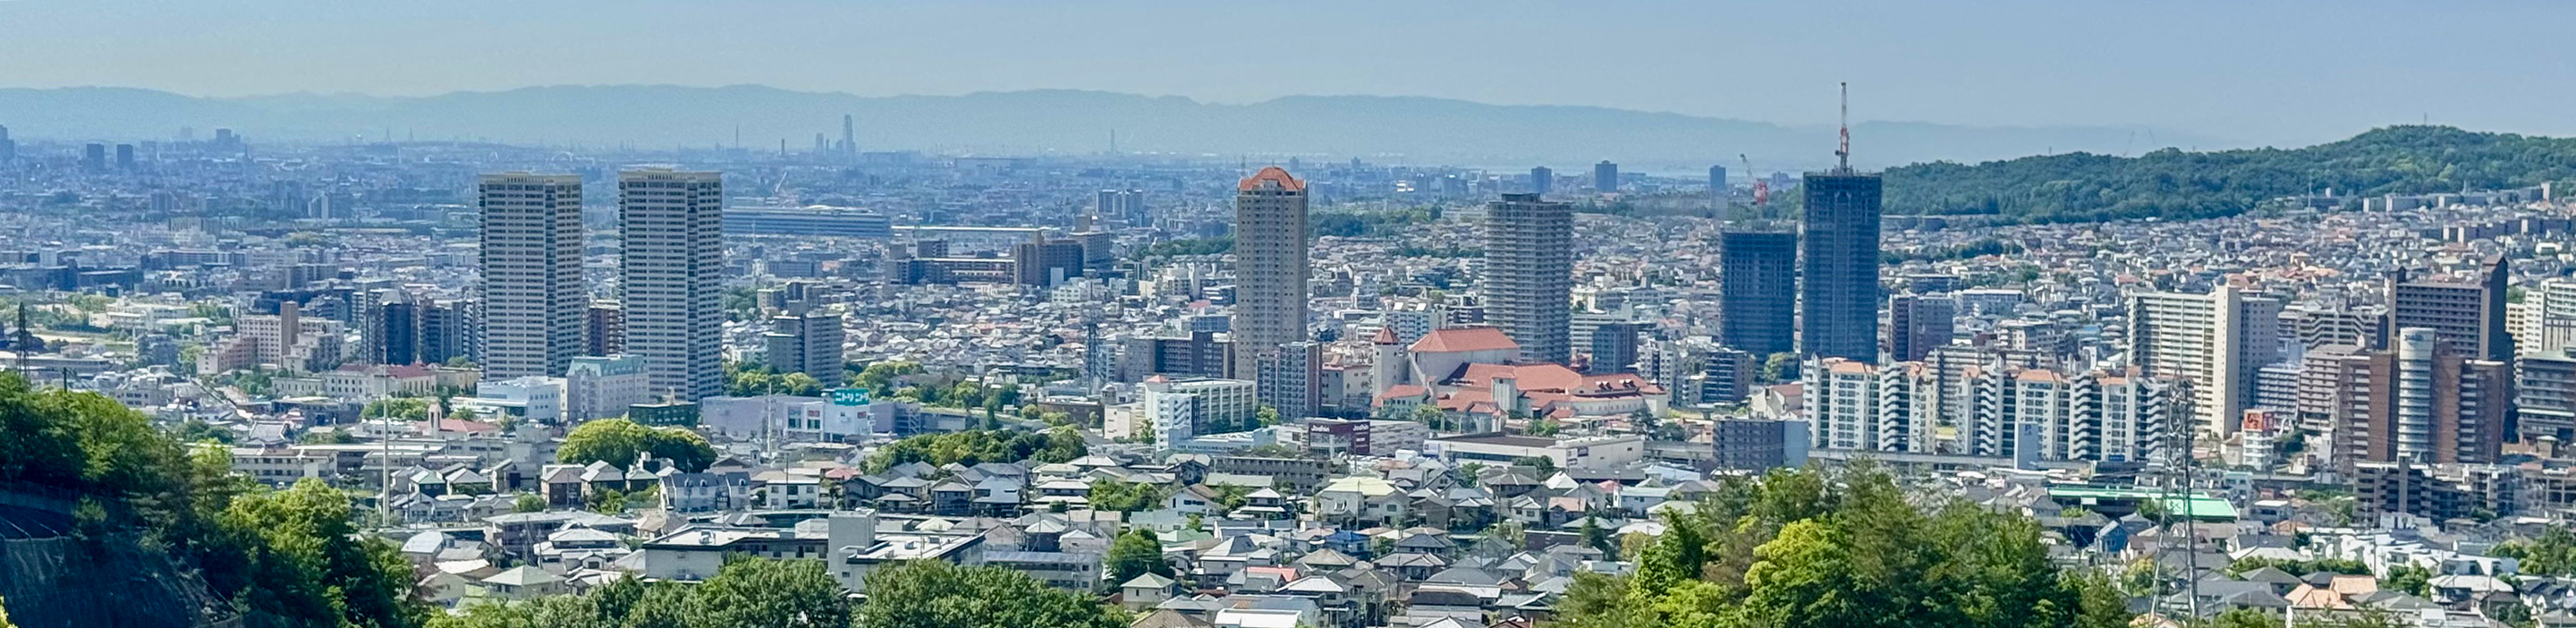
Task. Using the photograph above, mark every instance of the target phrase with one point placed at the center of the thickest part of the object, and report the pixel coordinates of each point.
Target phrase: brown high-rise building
(2467, 313)
(1529, 274)
(607, 326)
(1270, 265)
(2422, 401)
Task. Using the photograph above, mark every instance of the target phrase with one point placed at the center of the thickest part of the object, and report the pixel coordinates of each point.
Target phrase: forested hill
(2174, 184)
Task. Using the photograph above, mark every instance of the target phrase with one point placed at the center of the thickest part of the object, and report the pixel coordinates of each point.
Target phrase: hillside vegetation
(276, 558)
(2173, 184)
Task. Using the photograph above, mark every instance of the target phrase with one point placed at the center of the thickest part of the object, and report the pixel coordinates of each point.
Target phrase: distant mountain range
(1377, 128)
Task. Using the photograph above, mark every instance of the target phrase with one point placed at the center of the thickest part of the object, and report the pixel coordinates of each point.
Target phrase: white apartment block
(1997, 412)
(673, 270)
(2216, 342)
(599, 387)
(534, 301)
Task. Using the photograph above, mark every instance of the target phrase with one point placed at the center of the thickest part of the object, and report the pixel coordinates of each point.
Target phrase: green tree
(1136, 553)
(199, 431)
(934, 594)
(528, 502)
(405, 408)
(879, 377)
(1432, 416)
(2553, 554)
(317, 569)
(617, 441)
(1119, 496)
(753, 591)
(2411, 579)
(973, 447)
(1779, 367)
(800, 384)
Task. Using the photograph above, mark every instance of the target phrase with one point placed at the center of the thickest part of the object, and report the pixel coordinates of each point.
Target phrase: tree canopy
(1820, 549)
(287, 557)
(974, 447)
(746, 591)
(2174, 184)
(1136, 552)
(932, 594)
(617, 441)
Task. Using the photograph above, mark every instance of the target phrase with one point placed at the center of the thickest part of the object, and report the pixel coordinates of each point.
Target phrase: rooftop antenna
(1842, 155)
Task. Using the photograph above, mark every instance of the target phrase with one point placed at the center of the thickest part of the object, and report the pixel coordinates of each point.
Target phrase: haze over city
(1154, 314)
(2242, 74)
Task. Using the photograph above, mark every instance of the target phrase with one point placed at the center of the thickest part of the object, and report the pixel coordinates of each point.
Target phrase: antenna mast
(1842, 154)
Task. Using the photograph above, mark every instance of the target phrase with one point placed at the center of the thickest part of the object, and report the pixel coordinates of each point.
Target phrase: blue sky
(2264, 71)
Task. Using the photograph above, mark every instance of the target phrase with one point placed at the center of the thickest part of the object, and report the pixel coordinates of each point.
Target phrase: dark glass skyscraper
(1758, 291)
(1841, 266)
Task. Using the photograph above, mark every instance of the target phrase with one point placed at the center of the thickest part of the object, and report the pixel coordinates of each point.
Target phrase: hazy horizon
(2283, 73)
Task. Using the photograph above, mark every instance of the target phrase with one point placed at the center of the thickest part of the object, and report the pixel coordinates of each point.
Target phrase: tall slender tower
(674, 277)
(1841, 238)
(849, 138)
(1270, 266)
(1529, 274)
(533, 295)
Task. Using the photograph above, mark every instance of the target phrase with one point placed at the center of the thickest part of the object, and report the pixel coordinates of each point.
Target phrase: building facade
(1529, 274)
(673, 270)
(533, 294)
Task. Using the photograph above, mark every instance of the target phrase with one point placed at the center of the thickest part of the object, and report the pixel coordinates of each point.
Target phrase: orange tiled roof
(1272, 174)
(1464, 339)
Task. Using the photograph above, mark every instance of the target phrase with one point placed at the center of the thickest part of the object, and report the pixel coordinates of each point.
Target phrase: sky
(2251, 71)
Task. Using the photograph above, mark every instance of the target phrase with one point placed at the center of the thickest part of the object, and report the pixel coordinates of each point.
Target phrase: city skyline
(1983, 64)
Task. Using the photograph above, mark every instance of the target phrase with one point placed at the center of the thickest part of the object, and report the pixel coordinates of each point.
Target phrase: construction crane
(1842, 152)
(1761, 189)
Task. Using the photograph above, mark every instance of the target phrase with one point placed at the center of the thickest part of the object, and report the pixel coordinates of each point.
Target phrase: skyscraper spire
(1842, 154)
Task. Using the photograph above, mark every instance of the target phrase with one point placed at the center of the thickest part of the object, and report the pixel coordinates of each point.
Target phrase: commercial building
(808, 343)
(606, 323)
(2544, 392)
(1614, 348)
(673, 270)
(1528, 279)
(1200, 354)
(1759, 444)
(1916, 323)
(1840, 266)
(2422, 402)
(809, 221)
(1046, 262)
(1605, 177)
(1591, 452)
(534, 298)
(2468, 315)
(1290, 379)
(1542, 180)
(1214, 405)
(1758, 291)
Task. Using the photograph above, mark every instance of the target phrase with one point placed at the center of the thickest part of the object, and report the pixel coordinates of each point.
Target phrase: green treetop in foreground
(618, 441)
(1841, 549)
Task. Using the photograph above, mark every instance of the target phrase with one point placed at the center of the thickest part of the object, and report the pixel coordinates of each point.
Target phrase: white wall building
(534, 300)
(673, 266)
(597, 387)
(2216, 341)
